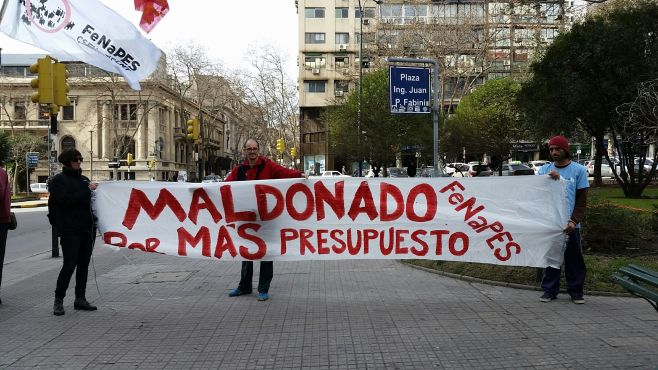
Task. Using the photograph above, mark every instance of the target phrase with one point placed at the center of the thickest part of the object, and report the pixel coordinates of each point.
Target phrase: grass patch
(615, 195)
(599, 270)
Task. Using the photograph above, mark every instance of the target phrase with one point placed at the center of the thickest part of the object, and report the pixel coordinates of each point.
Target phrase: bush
(611, 229)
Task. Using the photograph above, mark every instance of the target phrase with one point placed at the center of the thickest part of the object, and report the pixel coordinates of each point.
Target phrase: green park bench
(639, 281)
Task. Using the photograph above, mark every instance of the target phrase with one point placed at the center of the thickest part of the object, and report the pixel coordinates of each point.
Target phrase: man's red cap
(560, 141)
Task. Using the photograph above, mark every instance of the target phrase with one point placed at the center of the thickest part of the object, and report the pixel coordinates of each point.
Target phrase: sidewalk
(174, 313)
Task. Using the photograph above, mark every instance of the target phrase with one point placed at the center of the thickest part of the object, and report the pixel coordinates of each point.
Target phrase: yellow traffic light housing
(60, 84)
(293, 152)
(43, 68)
(129, 159)
(280, 145)
(193, 129)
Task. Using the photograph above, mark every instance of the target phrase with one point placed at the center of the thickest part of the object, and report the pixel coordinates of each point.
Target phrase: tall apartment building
(107, 120)
(471, 40)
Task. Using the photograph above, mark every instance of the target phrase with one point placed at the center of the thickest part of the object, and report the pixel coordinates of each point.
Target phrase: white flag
(82, 30)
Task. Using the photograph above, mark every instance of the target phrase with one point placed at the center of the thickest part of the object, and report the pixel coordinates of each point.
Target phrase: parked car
(333, 174)
(535, 165)
(39, 187)
(396, 172)
(431, 172)
(606, 171)
(456, 166)
(516, 169)
(473, 170)
(211, 178)
(646, 167)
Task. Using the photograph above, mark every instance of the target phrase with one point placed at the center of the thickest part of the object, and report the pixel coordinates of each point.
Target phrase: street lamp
(358, 116)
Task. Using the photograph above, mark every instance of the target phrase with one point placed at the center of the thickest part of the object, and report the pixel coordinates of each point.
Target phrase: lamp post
(358, 114)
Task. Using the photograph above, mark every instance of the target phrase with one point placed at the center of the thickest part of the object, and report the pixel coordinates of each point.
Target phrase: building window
(367, 13)
(314, 37)
(314, 61)
(314, 137)
(342, 12)
(44, 112)
(315, 86)
(314, 12)
(341, 86)
(342, 38)
(68, 111)
(124, 145)
(126, 114)
(342, 61)
(68, 142)
(19, 111)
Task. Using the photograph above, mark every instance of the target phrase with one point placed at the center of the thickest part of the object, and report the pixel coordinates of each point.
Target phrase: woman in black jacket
(70, 213)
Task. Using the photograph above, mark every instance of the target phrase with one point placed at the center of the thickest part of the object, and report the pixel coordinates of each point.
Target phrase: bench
(639, 281)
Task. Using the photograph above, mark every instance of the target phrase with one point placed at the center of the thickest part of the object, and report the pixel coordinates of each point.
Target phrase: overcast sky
(224, 28)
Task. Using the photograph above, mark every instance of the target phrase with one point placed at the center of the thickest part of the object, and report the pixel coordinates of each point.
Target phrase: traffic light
(193, 129)
(60, 84)
(280, 145)
(293, 152)
(129, 159)
(43, 68)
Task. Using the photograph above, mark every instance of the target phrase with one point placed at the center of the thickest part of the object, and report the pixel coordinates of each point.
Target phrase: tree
(634, 131)
(383, 135)
(21, 144)
(269, 97)
(588, 72)
(487, 121)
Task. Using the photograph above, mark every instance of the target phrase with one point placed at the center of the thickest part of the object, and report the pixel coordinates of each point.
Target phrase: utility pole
(91, 154)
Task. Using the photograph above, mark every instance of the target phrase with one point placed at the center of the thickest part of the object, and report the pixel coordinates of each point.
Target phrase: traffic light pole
(53, 163)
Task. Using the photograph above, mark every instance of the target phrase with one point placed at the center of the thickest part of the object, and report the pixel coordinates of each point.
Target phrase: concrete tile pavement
(363, 314)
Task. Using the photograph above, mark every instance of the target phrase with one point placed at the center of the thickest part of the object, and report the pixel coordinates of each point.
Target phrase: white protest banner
(514, 221)
(82, 30)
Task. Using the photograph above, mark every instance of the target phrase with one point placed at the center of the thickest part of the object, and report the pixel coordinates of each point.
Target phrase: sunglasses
(77, 159)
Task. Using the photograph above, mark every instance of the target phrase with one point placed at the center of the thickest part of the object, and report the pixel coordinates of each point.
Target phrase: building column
(107, 152)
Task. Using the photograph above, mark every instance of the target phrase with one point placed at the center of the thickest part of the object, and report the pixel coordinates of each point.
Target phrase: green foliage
(383, 135)
(589, 71)
(486, 121)
(5, 147)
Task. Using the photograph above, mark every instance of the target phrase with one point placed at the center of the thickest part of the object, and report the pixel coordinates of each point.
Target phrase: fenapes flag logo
(82, 30)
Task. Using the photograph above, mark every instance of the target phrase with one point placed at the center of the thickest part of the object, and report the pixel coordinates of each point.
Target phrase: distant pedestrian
(5, 206)
(575, 177)
(257, 167)
(69, 207)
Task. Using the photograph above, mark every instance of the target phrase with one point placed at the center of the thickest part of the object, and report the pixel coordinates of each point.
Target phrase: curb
(506, 284)
(34, 205)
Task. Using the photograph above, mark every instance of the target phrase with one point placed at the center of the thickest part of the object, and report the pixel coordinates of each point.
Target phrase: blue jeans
(574, 270)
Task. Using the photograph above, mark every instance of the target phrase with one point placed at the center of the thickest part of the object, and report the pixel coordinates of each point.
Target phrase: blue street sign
(410, 90)
(32, 159)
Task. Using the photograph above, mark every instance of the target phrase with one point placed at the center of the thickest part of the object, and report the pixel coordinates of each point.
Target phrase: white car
(333, 174)
(39, 187)
(456, 166)
(211, 178)
(535, 165)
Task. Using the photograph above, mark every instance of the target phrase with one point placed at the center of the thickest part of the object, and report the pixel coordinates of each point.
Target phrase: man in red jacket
(257, 167)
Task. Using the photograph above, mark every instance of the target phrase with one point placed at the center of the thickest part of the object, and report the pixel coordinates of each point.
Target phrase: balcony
(25, 124)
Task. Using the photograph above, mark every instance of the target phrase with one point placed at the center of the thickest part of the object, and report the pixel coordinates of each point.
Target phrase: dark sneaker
(578, 299)
(237, 292)
(547, 297)
(263, 296)
(82, 304)
(58, 307)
